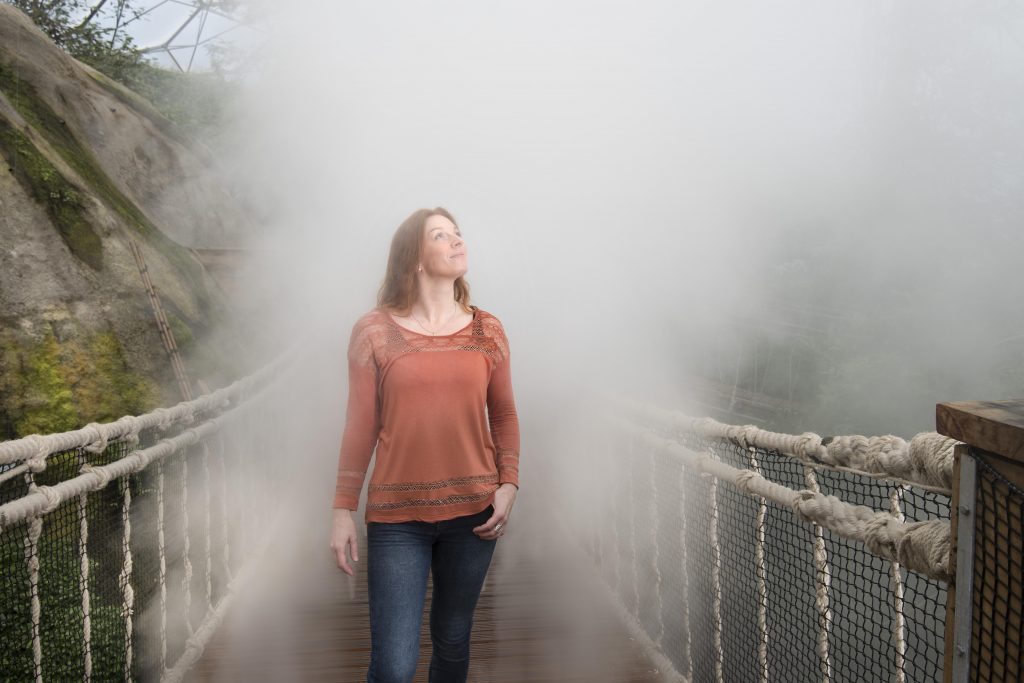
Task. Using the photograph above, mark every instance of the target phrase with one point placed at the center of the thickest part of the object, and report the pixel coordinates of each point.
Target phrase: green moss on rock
(183, 337)
(106, 388)
(50, 386)
(47, 402)
(47, 185)
(43, 119)
(38, 114)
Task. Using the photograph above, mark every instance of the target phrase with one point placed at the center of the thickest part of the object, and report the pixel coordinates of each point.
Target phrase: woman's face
(443, 253)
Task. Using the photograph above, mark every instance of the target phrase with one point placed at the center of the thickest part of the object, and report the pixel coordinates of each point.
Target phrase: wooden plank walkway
(541, 617)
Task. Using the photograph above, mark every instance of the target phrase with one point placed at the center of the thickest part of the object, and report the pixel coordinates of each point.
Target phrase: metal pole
(964, 569)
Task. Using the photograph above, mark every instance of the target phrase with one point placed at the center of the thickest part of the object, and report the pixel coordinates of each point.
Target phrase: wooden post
(993, 434)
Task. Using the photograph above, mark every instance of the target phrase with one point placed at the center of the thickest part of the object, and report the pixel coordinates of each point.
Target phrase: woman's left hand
(497, 525)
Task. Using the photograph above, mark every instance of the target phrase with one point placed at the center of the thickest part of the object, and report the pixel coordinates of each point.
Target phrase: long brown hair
(400, 287)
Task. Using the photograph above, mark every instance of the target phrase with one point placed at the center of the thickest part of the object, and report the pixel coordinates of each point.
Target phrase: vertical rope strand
(616, 544)
(762, 576)
(83, 556)
(716, 585)
(225, 536)
(207, 523)
(241, 489)
(685, 574)
(634, 554)
(655, 555)
(186, 548)
(124, 580)
(163, 563)
(822, 585)
(899, 625)
(35, 531)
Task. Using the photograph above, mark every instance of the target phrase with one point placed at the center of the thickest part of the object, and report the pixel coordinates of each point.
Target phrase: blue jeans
(399, 557)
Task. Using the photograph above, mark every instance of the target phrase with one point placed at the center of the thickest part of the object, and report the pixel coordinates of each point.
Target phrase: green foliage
(197, 102)
(62, 21)
(61, 615)
(47, 400)
(56, 386)
(15, 611)
(103, 385)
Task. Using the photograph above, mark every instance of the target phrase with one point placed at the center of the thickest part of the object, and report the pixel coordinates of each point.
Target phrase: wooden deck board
(539, 619)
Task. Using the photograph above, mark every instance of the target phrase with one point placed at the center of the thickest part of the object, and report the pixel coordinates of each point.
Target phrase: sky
(176, 24)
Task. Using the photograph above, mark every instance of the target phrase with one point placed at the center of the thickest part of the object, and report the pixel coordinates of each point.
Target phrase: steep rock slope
(85, 167)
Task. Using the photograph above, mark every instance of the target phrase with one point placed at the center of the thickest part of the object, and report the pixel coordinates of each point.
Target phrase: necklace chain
(432, 332)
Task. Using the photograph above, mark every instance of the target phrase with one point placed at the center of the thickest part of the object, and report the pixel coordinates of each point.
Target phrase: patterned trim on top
(434, 485)
(424, 502)
(377, 339)
(352, 473)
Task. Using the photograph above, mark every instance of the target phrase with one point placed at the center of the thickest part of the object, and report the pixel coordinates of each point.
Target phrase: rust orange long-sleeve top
(440, 413)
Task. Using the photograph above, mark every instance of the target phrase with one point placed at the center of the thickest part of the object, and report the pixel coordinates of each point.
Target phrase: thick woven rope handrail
(45, 499)
(95, 437)
(927, 459)
(920, 546)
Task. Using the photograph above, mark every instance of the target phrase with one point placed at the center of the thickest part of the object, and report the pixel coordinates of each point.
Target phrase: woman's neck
(436, 302)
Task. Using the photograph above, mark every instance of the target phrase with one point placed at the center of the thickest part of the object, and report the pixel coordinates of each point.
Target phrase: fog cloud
(814, 207)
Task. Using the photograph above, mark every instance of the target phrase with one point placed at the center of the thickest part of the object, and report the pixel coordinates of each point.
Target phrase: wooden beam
(993, 426)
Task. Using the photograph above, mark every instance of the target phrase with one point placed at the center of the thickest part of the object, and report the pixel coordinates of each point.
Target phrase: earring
(419, 269)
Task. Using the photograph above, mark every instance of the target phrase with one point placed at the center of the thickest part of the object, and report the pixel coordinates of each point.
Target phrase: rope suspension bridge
(700, 552)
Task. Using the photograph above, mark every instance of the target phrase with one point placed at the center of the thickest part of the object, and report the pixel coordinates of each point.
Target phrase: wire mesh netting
(997, 612)
(732, 588)
(88, 591)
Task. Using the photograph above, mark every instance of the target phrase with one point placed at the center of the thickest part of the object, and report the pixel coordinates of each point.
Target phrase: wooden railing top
(994, 426)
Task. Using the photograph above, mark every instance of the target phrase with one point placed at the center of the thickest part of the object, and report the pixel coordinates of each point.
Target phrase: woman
(430, 388)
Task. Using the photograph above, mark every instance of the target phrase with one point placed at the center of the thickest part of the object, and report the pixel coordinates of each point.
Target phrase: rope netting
(744, 555)
(997, 612)
(121, 543)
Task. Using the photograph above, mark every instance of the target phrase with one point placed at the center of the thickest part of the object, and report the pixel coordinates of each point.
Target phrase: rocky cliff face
(86, 166)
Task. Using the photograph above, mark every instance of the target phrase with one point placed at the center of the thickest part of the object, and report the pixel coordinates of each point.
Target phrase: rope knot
(747, 436)
(101, 473)
(806, 504)
(878, 536)
(53, 499)
(701, 425)
(810, 447)
(193, 435)
(37, 463)
(164, 419)
(932, 455)
(134, 426)
(745, 479)
(99, 441)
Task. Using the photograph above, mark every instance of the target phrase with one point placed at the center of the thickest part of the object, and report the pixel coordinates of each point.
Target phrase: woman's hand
(343, 536)
(495, 527)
